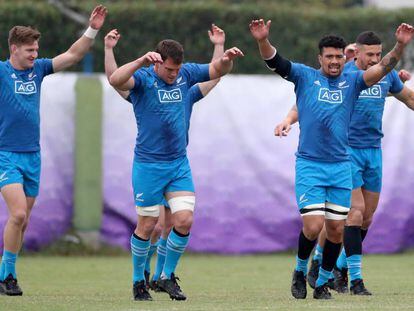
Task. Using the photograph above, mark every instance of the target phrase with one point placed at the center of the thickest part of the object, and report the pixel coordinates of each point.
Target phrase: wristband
(91, 33)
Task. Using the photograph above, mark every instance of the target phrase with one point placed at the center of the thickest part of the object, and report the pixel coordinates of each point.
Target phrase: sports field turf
(211, 283)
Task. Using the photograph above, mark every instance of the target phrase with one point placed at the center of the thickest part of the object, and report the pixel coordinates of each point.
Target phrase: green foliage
(296, 29)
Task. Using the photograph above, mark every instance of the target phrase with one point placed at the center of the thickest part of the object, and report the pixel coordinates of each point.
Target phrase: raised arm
(404, 34)
(283, 128)
(217, 37)
(110, 41)
(122, 77)
(274, 61)
(406, 96)
(78, 49)
(224, 64)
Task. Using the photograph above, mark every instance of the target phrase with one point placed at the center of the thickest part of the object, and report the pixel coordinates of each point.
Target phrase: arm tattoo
(391, 59)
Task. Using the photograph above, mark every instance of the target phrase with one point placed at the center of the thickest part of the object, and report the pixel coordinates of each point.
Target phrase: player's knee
(355, 217)
(335, 232)
(18, 218)
(312, 230)
(159, 227)
(183, 222)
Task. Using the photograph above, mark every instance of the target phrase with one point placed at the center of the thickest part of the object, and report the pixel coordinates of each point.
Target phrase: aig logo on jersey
(26, 88)
(332, 97)
(373, 92)
(172, 96)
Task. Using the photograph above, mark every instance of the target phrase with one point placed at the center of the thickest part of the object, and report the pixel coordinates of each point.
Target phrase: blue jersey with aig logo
(20, 103)
(365, 130)
(160, 112)
(324, 105)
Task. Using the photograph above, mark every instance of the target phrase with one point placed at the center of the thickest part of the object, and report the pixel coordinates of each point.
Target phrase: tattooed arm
(404, 34)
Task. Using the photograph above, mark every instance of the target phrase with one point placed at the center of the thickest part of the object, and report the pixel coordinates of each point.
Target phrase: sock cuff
(136, 237)
(180, 234)
(9, 255)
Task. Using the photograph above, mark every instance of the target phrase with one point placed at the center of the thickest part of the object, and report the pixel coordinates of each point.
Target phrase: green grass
(211, 283)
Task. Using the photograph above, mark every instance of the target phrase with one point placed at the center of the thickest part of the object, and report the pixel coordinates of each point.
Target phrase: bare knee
(355, 216)
(312, 230)
(18, 218)
(146, 226)
(335, 231)
(159, 227)
(183, 222)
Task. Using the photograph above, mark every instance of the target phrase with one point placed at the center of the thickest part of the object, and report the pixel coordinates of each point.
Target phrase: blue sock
(341, 261)
(176, 245)
(354, 266)
(161, 252)
(302, 265)
(9, 260)
(318, 253)
(323, 277)
(139, 250)
(151, 252)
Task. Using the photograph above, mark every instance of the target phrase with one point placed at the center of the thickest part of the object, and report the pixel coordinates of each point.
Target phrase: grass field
(211, 283)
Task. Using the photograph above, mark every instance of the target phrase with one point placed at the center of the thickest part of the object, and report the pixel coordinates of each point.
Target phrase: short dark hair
(332, 41)
(368, 38)
(170, 49)
(23, 35)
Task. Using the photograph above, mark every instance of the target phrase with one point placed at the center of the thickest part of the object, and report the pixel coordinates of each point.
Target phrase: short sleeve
(196, 73)
(396, 83)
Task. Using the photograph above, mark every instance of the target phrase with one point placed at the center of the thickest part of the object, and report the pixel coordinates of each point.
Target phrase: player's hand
(282, 129)
(404, 75)
(350, 51)
(404, 33)
(97, 17)
(217, 35)
(111, 39)
(150, 58)
(260, 30)
(231, 54)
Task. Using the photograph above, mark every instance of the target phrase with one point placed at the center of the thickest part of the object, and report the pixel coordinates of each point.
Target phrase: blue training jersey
(365, 130)
(20, 104)
(160, 112)
(324, 106)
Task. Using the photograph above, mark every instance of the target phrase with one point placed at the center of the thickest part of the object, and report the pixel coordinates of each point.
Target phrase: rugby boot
(298, 288)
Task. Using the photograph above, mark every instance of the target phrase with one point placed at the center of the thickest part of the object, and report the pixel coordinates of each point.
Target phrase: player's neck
(15, 64)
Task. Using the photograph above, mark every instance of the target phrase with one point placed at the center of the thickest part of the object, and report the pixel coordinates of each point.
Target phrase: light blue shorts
(323, 188)
(21, 168)
(367, 168)
(152, 180)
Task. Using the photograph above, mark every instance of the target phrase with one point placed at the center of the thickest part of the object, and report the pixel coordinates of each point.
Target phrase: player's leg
(369, 195)
(311, 199)
(155, 238)
(30, 165)
(181, 199)
(13, 168)
(317, 259)
(148, 182)
(357, 206)
(15, 199)
(336, 211)
(162, 248)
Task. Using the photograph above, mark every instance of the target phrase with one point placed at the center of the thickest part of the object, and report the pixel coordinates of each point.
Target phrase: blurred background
(244, 176)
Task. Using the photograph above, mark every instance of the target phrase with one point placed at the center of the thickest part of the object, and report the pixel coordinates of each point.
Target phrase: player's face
(25, 54)
(368, 55)
(168, 70)
(332, 61)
